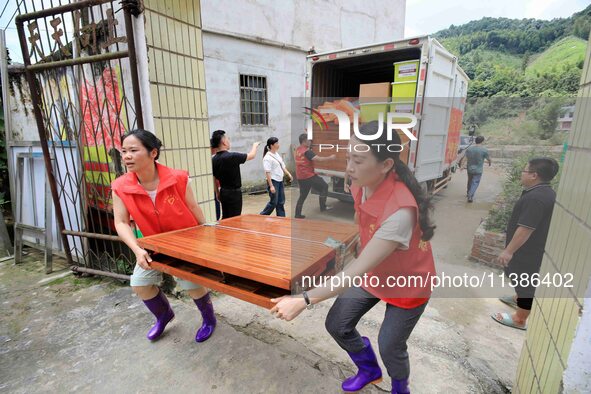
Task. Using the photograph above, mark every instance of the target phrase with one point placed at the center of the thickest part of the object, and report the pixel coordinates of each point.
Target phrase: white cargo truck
(439, 100)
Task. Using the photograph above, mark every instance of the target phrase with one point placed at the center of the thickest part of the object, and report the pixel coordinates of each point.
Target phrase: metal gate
(81, 68)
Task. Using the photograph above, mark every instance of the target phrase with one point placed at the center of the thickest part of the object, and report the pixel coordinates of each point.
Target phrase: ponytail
(421, 197)
(270, 142)
(404, 174)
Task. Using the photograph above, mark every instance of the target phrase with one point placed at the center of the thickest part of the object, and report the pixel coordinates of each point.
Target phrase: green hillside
(522, 71)
(494, 58)
(487, 57)
(521, 57)
(515, 36)
(567, 52)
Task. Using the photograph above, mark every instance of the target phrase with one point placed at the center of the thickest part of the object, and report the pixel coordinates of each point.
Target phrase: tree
(581, 28)
(546, 114)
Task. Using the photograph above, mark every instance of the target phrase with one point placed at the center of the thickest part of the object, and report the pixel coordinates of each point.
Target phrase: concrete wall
(284, 72)
(326, 24)
(177, 92)
(577, 376)
(271, 38)
(549, 348)
(23, 126)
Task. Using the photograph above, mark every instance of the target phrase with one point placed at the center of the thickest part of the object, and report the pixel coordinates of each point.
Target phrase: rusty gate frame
(129, 7)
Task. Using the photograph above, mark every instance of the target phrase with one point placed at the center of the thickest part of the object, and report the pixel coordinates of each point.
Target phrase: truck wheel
(424, 186)
(427, 187)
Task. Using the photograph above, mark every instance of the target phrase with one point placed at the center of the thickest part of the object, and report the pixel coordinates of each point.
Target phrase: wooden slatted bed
(253, 257)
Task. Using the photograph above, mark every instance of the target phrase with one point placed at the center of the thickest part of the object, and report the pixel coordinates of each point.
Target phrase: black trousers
(347, 310)
(231, 200)
(315, 183)
(527, 267)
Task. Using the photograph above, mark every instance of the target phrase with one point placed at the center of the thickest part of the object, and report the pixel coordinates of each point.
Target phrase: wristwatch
(309, 304)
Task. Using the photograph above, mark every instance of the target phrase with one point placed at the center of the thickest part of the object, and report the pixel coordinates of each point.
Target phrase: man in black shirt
(527, 231)
(226, 169)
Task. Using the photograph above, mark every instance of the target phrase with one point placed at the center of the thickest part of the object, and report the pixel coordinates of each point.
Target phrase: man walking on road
(475, 156)
(527, 231)
(307, 178)
(226, 169)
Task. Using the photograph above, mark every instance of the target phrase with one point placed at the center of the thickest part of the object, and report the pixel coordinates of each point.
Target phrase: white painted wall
(577, 376)
(326, 24)
(270, 38)
(284, 73)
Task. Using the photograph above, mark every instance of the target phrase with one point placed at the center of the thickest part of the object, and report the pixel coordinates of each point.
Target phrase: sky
(422, 16)
(7, 24)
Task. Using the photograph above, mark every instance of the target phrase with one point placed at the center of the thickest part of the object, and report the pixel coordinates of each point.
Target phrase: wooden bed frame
(253, 257)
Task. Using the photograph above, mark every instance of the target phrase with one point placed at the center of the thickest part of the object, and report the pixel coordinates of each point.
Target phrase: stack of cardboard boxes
(398, 96)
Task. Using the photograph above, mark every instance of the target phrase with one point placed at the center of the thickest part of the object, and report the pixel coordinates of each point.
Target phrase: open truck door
(436, 112)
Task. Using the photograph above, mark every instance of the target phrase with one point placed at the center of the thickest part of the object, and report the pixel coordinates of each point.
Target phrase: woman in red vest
(307, 178)
(158, 199)
(395, 263)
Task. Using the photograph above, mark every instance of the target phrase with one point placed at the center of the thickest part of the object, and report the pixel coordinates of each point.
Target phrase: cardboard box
(374, 92)
(373, 99)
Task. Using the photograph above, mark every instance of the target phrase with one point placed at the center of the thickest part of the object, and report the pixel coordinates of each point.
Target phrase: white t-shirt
(397, 227)
(152, 194)
(273, 163)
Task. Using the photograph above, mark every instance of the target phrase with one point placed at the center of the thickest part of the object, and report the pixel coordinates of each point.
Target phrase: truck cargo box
(425, 80)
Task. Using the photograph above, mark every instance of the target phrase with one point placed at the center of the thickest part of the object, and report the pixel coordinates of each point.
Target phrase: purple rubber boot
(206, 308)
(369, 369)
(400, 386)
(160, 307)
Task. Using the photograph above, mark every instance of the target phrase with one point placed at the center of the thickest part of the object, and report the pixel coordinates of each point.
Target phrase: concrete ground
(88, 334)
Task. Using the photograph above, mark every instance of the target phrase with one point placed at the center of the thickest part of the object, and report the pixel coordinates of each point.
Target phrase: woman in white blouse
(274, 171)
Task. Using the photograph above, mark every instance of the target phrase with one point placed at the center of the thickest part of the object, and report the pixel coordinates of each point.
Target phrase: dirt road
(87, 335)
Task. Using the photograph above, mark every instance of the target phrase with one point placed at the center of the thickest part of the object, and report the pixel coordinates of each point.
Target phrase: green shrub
(500, 213)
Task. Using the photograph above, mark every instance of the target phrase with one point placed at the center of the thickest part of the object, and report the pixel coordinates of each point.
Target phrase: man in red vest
(307, 178)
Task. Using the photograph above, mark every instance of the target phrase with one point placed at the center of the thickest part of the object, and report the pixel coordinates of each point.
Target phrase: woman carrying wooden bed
(393, 216)
(159, 199)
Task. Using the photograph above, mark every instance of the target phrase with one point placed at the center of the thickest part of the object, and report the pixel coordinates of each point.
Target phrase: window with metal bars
(253, 100)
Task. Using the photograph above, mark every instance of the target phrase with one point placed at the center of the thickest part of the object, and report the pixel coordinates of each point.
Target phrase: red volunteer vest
(304, 167)
(170, 212)
(407, 265)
